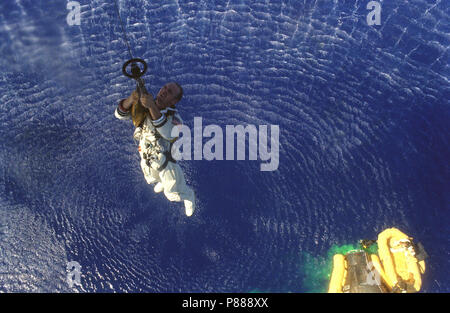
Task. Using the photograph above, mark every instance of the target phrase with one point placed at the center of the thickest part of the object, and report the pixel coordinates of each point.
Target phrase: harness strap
(169, 158)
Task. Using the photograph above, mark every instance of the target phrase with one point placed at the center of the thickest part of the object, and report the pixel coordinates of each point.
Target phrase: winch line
(123, 30)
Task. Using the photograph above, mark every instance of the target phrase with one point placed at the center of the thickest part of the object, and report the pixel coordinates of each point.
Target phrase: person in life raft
(154, 120)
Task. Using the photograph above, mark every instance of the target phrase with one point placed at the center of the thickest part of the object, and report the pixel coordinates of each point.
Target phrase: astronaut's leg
(175, 188)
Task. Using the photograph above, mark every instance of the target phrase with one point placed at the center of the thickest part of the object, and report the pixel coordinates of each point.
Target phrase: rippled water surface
(363, 113)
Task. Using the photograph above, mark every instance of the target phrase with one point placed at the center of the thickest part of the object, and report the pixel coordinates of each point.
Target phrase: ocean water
(363, 112)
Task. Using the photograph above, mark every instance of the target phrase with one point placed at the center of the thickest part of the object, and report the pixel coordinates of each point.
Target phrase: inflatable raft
(398, 267)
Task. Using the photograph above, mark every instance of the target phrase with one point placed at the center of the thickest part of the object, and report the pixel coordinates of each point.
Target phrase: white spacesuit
(159, 167)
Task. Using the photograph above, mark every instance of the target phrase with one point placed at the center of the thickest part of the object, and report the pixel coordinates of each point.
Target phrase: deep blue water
(364, 119)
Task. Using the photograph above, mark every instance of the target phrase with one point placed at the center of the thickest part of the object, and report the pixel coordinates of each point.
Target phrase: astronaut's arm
(121, 112)
(164, 126)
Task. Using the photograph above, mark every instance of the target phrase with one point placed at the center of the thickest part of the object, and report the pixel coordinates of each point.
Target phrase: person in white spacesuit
(154, 120)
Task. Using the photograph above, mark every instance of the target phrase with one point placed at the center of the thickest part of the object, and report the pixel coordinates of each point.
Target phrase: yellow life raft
(401, 265)
(397, 267)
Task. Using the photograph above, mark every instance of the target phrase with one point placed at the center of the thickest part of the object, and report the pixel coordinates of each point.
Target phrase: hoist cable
(123, 30)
